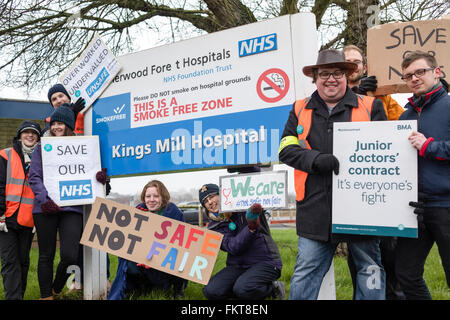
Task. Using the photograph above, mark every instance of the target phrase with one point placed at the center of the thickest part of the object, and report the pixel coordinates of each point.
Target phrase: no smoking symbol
(272, 85)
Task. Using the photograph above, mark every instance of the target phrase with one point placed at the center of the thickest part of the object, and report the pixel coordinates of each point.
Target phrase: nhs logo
(75, 189)
(256, 45)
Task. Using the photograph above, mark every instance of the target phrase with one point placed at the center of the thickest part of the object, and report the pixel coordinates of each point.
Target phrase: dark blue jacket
(36, 180)
(245, 248)
(119, 285)
(433, 121)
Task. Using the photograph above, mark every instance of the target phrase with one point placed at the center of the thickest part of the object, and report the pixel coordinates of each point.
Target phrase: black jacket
(314, 211)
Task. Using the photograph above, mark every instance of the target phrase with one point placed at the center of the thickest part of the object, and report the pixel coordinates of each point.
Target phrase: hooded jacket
(246, 248)
(433, 121)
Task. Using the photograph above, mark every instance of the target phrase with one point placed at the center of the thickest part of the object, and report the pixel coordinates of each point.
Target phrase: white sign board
(377, 178)
(238, 192)
(91, 73)
(70, 165)
(217, 100)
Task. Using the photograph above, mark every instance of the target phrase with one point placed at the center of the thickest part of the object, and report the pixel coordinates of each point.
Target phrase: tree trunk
(230, 13)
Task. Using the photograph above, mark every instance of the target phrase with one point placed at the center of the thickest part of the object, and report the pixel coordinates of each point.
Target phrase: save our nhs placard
(377, 179)
(90, 74)
(188, 105)
(238, 192)
(162, 243)
(70, 165)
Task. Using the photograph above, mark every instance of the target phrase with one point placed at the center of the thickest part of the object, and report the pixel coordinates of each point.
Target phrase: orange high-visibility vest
(304, 116)
(18, 193)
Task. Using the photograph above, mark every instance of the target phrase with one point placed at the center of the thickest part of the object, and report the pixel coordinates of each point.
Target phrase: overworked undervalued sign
(377, 179)
(241, 191)
(70, 165)
(162, 243)
(91, 73)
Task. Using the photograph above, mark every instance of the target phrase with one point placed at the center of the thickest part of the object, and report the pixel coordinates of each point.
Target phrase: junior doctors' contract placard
(377, 179)
(70, 165)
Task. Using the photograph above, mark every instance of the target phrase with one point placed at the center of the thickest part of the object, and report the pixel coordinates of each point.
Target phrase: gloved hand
(3, 224)
(419, 206)
(101, 176)
(252, 216)
(50, 207)
(368, 84)
(326, 162)
(78, 105)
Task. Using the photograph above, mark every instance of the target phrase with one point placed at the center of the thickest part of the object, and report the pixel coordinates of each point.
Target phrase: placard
(91, 73)
(70, 165)
(165, 244)
(377, 179)
(213, 101)
(387, 45)
(238, 192)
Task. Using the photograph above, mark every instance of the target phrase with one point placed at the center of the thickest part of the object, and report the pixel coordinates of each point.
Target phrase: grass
(287, 244)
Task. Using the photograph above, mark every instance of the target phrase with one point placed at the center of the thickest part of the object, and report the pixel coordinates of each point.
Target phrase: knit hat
(56, 88)
(207, 190)
(28, 125)
(65, 115)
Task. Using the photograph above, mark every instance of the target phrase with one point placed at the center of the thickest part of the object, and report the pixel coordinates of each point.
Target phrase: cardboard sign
(216, 100)
(165, 244)
(238, 192)
(377, 179)
(387, 44)
(91, 73)
(70, 165)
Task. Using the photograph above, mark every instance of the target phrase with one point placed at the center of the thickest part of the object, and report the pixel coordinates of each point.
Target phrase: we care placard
(162, 243)
(377, 179)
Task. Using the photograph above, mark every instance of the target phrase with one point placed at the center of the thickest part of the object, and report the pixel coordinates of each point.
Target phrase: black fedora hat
(330, 58)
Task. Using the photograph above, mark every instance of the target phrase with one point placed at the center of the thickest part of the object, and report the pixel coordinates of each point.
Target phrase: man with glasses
(430, 105)
(362, 84)
(307, 146)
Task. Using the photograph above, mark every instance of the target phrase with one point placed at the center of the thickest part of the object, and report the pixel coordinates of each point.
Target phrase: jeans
(314, 260)
(411, 254)
(69, 226)
(253, 283)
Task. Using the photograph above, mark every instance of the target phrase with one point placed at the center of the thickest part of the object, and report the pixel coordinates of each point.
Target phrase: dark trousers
(411, 253)
(69, 226)
(15, 248)
(253, 283)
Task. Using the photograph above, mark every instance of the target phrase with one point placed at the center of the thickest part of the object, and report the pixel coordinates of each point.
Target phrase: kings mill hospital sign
(188, 106)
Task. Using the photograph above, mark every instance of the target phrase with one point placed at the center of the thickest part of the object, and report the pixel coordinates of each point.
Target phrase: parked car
(190, 212)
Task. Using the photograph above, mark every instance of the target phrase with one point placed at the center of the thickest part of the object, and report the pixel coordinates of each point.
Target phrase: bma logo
(256, 45)
(75, 189)
(404, 127)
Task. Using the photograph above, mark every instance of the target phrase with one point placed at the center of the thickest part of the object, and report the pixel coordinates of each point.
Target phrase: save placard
(91, 73)
(238, 192)
(162, 243)
(377, 179)
(70, 165)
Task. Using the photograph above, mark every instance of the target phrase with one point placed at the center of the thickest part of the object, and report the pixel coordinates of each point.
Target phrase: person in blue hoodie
(430, 106)
(132, 279)
(50, 219)
(253, 262)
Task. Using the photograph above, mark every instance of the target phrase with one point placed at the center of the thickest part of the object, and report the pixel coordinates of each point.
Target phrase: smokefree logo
(75, 189)
(112, 112)
(256, 45)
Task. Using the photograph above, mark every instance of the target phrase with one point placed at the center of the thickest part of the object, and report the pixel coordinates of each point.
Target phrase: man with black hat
(307, 146)
(16, 205)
